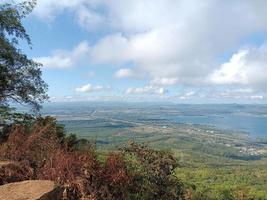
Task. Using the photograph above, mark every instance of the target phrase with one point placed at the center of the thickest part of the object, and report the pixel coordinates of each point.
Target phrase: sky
(182, 51)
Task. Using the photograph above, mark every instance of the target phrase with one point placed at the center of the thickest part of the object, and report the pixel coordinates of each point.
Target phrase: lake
(244, 118)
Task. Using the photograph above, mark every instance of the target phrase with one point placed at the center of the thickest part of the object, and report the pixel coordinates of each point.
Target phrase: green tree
(20, 77)
(153, 174)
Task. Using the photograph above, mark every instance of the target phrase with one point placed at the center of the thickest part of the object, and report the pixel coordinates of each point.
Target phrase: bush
(15, 172)
(34, 145)
(154, 177)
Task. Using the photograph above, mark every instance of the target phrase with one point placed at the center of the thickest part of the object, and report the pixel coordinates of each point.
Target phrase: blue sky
(184, 51)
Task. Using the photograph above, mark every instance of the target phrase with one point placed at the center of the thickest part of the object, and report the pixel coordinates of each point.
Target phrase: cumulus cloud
(49, 9)
(85, 97)
(246, 67)
(232, 71)
(88, 18)
(164, 81)
(231, 93)
(57, 60)
(187, 95)
(87, 13)
(257, 97)
(64, 59)
(185, 42)
(124, 73)
(149, 89)
(90, 88)
(176, 42)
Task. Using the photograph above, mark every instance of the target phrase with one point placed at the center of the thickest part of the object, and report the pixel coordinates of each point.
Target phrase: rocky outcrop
(31, 190)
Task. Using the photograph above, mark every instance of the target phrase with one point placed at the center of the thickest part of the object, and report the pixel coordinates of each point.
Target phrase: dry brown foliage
(34, 145)
(15, 172)
(43, 152)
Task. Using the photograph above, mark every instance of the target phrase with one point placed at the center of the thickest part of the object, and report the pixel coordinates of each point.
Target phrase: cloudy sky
(184, 51)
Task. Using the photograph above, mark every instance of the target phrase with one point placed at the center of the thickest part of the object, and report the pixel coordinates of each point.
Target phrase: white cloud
(65, 59)
(244, 90)
(89, 19)
(85, 98)
(87, 13)
(231, 93)
(149, 89)
(186, 41)
(161, 90)
(231, 72)
(246, 67)
(90, 88)
(110, 49)
(124, 73)
(49, 9)
(169, 41)
(164, 81)
(63, 99)
(57, 60)
(84, 88)
(257, 97)
(187, 95)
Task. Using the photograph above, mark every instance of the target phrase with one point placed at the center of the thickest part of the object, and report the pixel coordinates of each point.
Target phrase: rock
(31, 190)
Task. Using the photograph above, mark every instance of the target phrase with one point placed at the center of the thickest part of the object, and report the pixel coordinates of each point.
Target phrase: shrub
(15, 172)
(153, 179)
(36, 144)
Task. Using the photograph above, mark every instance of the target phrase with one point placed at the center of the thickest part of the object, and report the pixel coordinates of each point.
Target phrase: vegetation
(44, 152)
(39, 148)
(207, 164)
(20, 77)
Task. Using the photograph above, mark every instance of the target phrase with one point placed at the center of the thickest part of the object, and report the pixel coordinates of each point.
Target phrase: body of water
(256, 126)
(251, 119)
